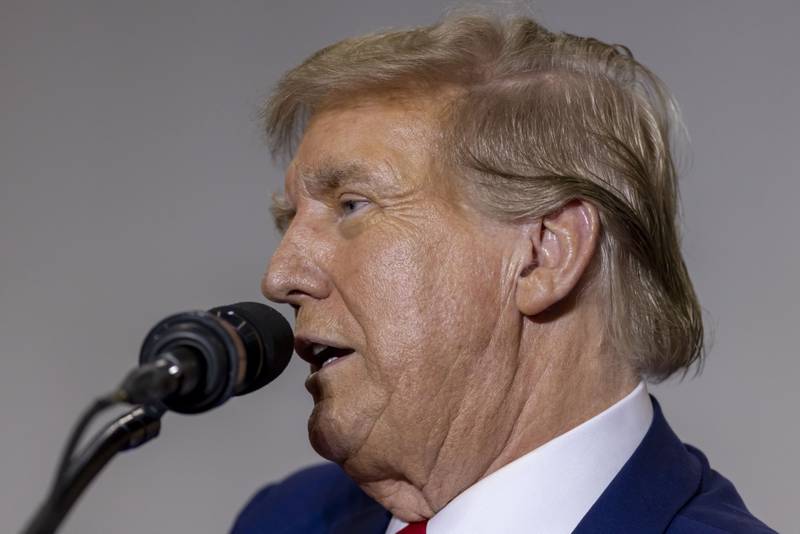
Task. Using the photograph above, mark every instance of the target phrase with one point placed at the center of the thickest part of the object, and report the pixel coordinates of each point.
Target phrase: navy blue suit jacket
(665, 486)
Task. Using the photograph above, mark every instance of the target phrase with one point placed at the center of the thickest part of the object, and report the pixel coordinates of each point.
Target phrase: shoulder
(307, 501)
(716, 508)
(667, 486)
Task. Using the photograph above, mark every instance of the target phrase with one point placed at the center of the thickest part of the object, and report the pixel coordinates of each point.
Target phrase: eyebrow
(319, 181)
(282, 211)
(330, 176)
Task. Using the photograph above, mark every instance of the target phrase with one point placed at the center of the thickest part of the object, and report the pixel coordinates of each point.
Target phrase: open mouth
(327, 355)
(320, 355)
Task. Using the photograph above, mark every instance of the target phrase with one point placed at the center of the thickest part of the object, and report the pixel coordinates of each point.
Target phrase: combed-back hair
(531, 120)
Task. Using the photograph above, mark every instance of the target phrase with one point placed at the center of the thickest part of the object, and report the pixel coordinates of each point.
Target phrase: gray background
(134, 184)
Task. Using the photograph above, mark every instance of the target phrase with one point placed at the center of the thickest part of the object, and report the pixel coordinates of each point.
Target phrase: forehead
(386, 139)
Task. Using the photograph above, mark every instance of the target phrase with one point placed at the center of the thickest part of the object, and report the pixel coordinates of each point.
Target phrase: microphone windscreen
(276, 344)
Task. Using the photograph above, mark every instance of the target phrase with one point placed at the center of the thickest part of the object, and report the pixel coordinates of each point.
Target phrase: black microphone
(194, 361)
(190, 362)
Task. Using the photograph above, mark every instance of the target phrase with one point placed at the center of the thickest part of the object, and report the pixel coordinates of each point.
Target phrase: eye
(349, 204)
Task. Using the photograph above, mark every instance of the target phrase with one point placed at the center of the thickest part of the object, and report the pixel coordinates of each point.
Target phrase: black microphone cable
(99, 405)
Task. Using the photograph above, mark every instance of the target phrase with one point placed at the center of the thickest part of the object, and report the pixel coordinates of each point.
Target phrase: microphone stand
(128, 431)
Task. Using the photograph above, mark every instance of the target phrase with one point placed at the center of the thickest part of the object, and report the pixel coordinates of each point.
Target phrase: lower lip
(326, 367)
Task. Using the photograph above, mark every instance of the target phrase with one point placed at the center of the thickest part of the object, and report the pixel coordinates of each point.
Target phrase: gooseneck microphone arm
(128, 431)
(189, 363)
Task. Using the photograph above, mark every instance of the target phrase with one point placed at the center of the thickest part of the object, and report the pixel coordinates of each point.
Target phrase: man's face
(411, 286)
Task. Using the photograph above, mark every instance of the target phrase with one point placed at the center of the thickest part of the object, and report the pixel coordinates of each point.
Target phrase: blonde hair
(534, 120)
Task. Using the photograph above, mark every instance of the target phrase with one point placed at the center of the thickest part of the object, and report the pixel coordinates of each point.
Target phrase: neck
(509, 414)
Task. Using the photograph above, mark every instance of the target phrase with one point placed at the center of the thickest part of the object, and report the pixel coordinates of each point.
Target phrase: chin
(329, 436)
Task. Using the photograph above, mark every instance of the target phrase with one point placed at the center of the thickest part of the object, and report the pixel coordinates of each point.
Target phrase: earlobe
(562, 248)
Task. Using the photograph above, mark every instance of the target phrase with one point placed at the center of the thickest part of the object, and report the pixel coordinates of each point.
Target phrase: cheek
(388, 289)
(419, 295)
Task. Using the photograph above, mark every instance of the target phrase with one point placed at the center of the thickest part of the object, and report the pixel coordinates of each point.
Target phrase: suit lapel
(651, 487)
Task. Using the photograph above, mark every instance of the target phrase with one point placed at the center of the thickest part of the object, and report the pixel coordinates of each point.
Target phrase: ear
(561, 249)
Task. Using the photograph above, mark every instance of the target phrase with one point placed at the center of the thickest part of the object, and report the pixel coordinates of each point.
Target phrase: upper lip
(305, 346)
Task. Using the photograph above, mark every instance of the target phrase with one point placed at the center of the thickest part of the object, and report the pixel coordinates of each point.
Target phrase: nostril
(294, 303)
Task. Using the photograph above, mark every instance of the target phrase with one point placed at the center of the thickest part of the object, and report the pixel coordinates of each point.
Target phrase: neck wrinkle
(456, 432)
(544, 408)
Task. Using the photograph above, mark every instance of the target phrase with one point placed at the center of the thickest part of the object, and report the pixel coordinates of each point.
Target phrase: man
(481, 249)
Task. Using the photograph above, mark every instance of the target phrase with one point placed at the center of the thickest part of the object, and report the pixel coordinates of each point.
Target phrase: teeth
(316, 348)
(330, 360)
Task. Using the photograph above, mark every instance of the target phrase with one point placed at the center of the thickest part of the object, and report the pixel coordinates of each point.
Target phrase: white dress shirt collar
(551, 488)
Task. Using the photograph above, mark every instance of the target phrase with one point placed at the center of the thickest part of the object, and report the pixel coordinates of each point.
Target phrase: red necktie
(414, 528)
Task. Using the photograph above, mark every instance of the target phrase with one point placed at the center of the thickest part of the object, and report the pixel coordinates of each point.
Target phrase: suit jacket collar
(656, 482)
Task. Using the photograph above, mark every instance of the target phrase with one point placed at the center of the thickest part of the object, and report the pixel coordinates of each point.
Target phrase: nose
(295, 273)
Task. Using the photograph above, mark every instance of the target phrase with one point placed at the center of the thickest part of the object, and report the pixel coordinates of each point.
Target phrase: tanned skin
(472, 345)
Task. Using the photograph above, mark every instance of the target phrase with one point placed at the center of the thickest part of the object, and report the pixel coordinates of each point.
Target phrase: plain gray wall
(134, 184)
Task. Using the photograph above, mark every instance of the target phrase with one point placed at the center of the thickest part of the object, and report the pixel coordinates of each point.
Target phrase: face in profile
(401, 290)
